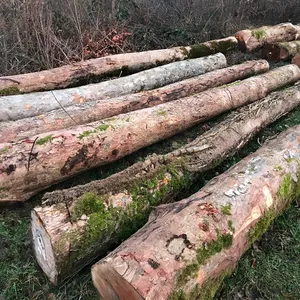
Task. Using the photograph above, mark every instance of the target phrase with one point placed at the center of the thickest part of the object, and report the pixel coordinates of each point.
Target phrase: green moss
(85, 134)
(178, 295)
(223, 241)
(9, 91)
(162, 113)
(185, 52)
(44, 140)
(288, 191)
(258, 33)
(226, 209)
(89, 203)
(261, 226)
(118, 222)
(199, 50)
(4, 150)
(208, 290)
(224, 46)
(230, 226)
(101, 127)
(186, 273)
(4, 189)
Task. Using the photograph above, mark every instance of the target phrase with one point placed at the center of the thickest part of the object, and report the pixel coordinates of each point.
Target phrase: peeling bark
(168, 174)
(90, 112)
(36, 104)
(187, 248)
(34, 164)
(281, 51)
(121, 64)
(250, 40)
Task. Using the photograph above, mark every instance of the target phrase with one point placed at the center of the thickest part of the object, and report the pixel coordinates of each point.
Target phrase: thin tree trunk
(296, 60)
(114, 65)
(66, 224)
(281, 51)
(36, 104)
(250, 40)
(87, 112)
(187, 248)
(31, 165)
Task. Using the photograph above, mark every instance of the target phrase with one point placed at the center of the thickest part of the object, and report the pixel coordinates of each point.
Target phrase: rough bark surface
(51, 223)
(35, 104)
(281, 51)
(31, 165)
(296, 60)
(188, 247)
(83, 72)
(250, 40)
(90, 112)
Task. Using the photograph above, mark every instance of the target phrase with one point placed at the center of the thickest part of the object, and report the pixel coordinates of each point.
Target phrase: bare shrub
(41, 34)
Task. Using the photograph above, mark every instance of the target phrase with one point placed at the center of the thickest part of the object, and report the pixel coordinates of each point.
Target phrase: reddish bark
(250, 40)
(173, 254)
(84, 71)
(88, 112)
(32, 165)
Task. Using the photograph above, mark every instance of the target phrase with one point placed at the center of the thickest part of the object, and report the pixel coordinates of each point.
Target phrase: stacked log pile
(60, 129)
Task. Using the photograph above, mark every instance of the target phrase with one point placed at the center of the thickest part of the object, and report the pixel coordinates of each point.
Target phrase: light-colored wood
(201, 154)
(90, 112)
(252, 39)
(83, 72)
(36, 104)
(188, 247)
(34, 164)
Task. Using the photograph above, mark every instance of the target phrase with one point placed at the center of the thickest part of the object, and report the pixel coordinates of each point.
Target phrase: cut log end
(296, 60)
(111, 285)
(43, 249)
(272, 52)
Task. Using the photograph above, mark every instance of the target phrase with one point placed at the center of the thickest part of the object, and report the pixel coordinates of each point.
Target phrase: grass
(270, 271)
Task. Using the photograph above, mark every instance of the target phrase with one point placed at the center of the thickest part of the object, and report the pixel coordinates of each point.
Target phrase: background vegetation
(42, 34)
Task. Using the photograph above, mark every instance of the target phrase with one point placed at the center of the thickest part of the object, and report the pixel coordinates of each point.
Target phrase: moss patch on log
(107, 225)
(44, 140)
(226, 209)
(258, 33)
(9, 91)
(205, 292)
(213, 247)
(287, 192)
(101, 127)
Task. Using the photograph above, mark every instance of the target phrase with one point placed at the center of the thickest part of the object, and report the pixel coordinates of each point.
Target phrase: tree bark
(120, 64)
(29, 105)
(34, 164)
(250, 40)
(187, 248)
(160, 178)
(296, 60)
(87, 112)
(281, 51)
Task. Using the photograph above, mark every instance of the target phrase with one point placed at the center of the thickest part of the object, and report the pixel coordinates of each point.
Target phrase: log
(281, 51)
(113, 65)
(250, 40)
(87, 112)
(296, 60)
(34, 164)
(187, 248)
(64, 240)
(29, 105)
